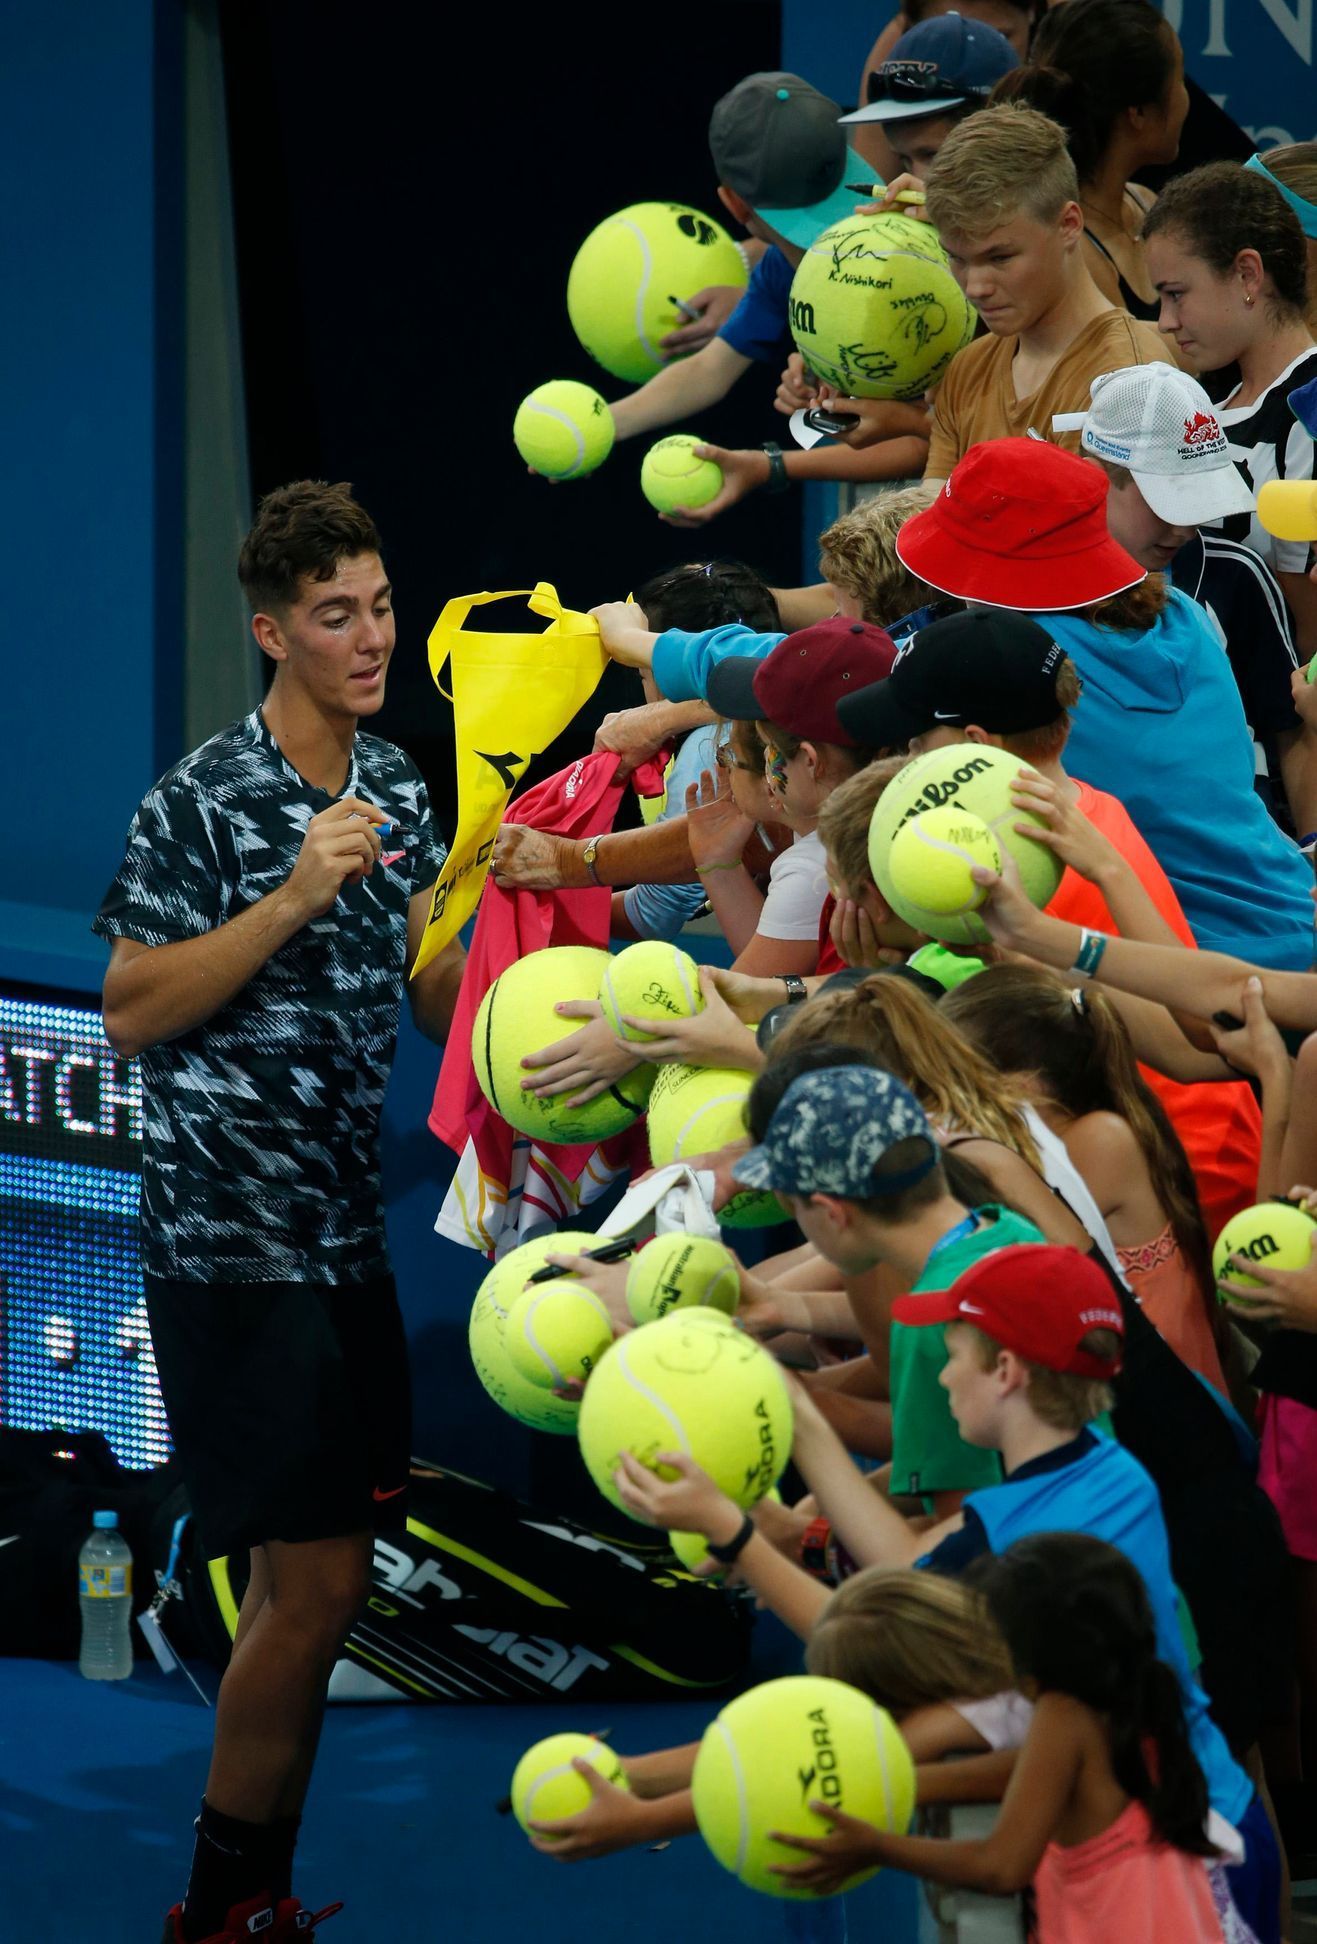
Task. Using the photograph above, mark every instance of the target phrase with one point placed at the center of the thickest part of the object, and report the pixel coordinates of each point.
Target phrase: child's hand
(625, 632)
(1304, 695)
(612, 1820)
(748, 996)
(876, 419)
(850, 1846)
(606, 1279)
(855, 936)
(1255, 1047)
(796, 387)
(713, 1037)
(742, 473)
(1069, 834)
(715, 304)
(589, 1060)
(719, 1163)
(1006, 911)
(1289, 1296)
(690, 1502)
(717, 831)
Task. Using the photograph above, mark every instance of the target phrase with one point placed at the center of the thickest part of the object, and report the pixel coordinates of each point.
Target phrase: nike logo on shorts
(381, 1496)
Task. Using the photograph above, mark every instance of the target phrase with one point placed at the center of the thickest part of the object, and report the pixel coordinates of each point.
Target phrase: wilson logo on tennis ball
(935, 794)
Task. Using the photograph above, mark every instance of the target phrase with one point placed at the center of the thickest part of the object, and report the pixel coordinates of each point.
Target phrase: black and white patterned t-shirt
(1267, 442)
(260, 1158)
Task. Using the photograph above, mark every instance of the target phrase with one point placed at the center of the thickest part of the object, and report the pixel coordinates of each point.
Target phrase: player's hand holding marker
(341, 846)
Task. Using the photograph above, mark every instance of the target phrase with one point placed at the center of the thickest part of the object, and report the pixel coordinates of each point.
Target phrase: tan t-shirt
(976, 400)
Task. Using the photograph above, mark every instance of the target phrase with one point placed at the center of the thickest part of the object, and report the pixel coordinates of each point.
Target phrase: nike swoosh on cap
(946, 715)
(378, 1494)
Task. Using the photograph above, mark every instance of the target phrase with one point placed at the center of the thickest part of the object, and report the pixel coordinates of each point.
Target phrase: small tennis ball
(516, 1017)
(630, 273)
(545, 1786)
(691, 1383)
(681, 1272)
(557, 1332)
(563, 429)
(651, 980)
(930, 862)
(1274, 1233)
(671, 475)
(785, 1744)
(874, 307)
(487, 1334)
(692, 1548)
(964, 776)
(695, 1110)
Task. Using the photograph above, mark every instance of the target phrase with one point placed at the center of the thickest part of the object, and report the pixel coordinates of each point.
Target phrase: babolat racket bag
(485, 1598)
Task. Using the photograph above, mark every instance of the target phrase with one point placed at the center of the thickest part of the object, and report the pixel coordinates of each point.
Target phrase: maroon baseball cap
(1032, 1298)
(799, 684)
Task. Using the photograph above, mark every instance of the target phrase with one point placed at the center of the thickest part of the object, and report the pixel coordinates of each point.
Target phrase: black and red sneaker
(254, 1919)
(293, 1921)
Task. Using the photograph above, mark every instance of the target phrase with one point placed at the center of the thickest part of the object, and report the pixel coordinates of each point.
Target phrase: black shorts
(289, 1405)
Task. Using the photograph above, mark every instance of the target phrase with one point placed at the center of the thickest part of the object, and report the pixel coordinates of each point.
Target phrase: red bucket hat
(1020, 524)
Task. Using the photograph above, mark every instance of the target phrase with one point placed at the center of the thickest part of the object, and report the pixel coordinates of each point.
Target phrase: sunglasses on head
(911, 81)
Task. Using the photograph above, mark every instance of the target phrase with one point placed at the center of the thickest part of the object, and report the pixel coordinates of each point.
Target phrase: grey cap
(777, 142)
(829, 1131)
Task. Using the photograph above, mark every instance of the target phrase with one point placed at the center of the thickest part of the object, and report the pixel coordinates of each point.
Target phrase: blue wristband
(1092, 944)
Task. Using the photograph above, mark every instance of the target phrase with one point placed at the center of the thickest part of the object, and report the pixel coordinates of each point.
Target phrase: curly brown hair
(1224, 208)
(301, 533)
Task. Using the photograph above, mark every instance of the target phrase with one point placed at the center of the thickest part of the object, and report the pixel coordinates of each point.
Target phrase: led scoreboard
(75, 1351)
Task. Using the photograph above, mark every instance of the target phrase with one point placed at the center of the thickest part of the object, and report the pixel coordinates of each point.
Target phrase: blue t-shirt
(1105, 1492)
(757, 328)
(683, 659)
(1160, 726)
(660, 910)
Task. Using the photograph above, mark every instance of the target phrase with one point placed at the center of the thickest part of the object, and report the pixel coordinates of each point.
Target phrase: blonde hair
(955, 1085)
(844, 819)
(997, 164)
(910, 1640)
(1061, 1399)
(857, 553)
(1296, 166)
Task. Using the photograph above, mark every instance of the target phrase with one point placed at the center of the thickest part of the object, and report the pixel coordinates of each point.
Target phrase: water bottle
(105, 1583)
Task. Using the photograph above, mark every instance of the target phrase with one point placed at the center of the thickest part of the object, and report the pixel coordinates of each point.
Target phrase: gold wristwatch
(588, 857)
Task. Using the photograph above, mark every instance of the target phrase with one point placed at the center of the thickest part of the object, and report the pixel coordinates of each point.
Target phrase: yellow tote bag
(511, 695)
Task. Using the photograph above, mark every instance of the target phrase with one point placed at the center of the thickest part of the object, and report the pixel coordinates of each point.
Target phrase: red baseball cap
(1020, 524)
(799, 683)
(1033, 1298)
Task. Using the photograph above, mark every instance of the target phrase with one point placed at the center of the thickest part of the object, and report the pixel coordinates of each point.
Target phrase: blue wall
(89, 500)
(1254, 56)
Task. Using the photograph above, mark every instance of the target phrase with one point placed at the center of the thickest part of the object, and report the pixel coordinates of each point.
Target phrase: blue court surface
(99, 1784)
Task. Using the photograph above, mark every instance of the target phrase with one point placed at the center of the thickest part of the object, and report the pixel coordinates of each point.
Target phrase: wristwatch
(778, 478)
(796, 990)
(588, 857)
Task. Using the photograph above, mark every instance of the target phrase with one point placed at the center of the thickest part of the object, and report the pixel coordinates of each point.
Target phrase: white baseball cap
(1159, 423)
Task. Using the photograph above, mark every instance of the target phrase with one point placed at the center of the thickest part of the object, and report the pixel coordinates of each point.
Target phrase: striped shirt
(1267, 442)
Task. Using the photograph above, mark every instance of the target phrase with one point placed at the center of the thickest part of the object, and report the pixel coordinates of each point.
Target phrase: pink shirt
(1124, 1885)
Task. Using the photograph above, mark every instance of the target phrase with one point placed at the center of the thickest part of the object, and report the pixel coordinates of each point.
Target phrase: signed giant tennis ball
(516, 1017)
(630, 272)
(964, 776)
(786, 1744)
(689, 1383)
(930, 864)
(681, 1272)
(563, 429)
(529, 1403)
(651, 980)
(695, 1110)
(672, 476)
(875, 309)
(1275, 1234)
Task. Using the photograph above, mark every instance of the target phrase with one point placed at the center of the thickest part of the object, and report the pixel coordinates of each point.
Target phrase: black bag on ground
(484, 1598)
(51, 1482)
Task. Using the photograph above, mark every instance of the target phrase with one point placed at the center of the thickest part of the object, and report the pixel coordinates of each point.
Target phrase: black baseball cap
(990, 667)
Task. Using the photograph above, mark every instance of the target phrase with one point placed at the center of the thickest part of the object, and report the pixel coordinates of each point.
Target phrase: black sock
(230, 1865)
(283, 1841)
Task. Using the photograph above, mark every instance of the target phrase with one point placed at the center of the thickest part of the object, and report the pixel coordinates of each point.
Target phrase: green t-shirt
(928, 1452)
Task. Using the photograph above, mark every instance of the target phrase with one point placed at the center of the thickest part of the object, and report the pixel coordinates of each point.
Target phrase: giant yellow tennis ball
(691, 1383)
(930, 863)
(681, 1272)
(652, 981)
(963, 776)
(672, 476)
(487, 1334)
(695, 1110)
(563, 429)
(557, 1332)
(629, 273)
(875, 309)
(516, 1017)
(1275, 1234)
(785, 1744)
(545, 1786)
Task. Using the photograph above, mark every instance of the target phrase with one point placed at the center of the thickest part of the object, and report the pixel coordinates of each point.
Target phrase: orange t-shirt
(976, 399)
(1218, 1121)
